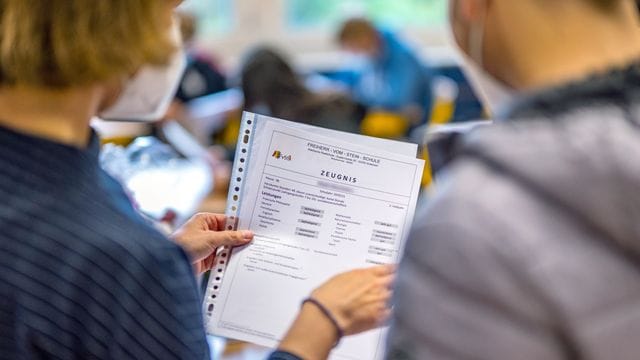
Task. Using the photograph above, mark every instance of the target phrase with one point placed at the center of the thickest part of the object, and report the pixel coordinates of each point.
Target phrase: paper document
(320, 203)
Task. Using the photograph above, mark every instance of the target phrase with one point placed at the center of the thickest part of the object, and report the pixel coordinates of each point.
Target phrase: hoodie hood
(579, 147)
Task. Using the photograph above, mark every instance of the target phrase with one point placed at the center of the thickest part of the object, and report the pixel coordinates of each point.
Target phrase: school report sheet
(318, 205)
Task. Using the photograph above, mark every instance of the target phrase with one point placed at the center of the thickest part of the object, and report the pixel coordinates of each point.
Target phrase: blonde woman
(81, 274)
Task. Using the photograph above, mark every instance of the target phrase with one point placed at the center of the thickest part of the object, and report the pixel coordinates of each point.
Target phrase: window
(305, 29)
(215, 17)
(324, 13)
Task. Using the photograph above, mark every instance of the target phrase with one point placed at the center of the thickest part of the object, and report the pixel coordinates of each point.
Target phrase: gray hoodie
(530, 249)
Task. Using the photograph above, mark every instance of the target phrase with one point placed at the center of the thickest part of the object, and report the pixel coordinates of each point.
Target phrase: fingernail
(247, 235)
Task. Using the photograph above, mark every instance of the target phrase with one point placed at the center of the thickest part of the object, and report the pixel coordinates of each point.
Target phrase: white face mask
(357, 61)
(495, 95)
(147, 96)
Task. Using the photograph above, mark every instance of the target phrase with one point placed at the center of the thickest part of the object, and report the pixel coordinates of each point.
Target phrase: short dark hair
(188, 26)
(355, 28)
(268, 77)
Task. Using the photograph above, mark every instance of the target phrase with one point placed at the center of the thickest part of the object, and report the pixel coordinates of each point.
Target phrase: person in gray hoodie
(530, 246)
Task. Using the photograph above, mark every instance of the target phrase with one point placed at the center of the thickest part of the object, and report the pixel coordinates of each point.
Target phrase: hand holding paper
(203, 234)
(320, 203)
(358, 300)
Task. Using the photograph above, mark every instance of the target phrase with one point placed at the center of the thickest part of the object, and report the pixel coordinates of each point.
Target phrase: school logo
(280, 156)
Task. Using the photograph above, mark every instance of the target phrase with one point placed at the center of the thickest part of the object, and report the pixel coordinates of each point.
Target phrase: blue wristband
(328, 315)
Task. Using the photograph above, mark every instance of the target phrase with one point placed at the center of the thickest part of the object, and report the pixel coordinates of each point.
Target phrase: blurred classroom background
(294, 59)
(304, 33)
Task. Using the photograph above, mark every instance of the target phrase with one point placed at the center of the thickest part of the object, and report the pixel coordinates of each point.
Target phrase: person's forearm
(312, 335)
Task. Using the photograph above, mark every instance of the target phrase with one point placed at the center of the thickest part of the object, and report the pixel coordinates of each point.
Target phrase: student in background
(531, 250)
(201, 77)
(271, 87)
(390, 76)
(82, 276)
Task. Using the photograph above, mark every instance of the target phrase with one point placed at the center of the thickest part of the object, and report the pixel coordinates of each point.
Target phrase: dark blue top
(81, 274)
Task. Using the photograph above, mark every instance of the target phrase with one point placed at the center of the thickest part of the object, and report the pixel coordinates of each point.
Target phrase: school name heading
(342, 154)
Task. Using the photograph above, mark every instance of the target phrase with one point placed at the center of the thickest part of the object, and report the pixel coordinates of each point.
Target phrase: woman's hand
(358, 300)
(203, 234)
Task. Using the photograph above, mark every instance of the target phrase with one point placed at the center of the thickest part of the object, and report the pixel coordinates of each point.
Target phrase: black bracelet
(328, 315)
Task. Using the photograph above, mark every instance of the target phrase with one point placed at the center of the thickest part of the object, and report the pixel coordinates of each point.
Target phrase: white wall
(263, 22)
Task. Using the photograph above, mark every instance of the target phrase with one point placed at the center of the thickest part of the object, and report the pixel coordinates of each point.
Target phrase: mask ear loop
(476, 40)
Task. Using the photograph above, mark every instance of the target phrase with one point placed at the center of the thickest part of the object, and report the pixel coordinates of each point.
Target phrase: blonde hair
(65, 43)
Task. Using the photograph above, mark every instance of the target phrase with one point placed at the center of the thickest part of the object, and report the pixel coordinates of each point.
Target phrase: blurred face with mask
(359, 38)
(511, 48)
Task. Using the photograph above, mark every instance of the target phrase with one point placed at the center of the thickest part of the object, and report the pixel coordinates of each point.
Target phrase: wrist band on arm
(328, 315)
